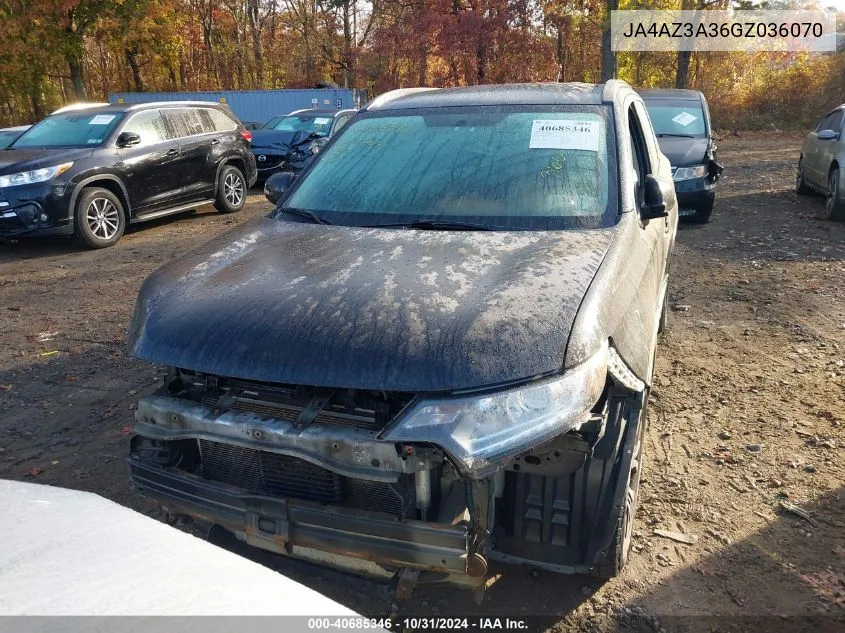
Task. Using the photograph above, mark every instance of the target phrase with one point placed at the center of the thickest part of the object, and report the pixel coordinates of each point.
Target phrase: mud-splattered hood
(390, 309)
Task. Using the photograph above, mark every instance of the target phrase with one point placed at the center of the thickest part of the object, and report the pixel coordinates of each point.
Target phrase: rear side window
(220, 122)
(189, 121)
(341, 121)
(150, 126)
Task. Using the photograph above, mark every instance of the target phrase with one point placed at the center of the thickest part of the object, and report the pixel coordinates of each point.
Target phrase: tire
(620, 548)
(801, 186)
(231, 190)
(100, 219)
(834, 207)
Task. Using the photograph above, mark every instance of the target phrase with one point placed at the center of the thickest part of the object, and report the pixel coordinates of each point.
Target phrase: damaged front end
(377, 482)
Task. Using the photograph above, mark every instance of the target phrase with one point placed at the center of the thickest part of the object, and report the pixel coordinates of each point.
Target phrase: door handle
(215, 141)
(172, 151)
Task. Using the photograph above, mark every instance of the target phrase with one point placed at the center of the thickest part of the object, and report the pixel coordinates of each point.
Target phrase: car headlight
(36, 175)
(688, 173)
(476, 430)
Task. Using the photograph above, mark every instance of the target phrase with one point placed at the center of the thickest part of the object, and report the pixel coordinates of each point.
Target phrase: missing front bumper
(286, 526)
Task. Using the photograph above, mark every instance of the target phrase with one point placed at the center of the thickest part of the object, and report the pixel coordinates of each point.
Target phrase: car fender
(79, 186)
(227, 159)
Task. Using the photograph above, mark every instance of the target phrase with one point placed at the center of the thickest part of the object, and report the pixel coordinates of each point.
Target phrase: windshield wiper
(434, 225)
(677, 135)
(304, 213)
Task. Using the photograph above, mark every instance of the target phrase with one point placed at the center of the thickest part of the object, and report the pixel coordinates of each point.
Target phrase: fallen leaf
(34, 471)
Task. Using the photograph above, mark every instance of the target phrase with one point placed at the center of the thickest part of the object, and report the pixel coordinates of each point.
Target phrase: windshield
(319, 125)
(677, 119)
(70, 129)
(538, 167)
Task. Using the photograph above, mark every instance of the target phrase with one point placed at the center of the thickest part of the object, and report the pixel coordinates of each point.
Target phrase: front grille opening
(271, 474)
(351, 408)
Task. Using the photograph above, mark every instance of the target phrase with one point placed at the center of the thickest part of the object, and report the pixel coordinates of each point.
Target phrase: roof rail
(611, 87)
(164, 104)
(387, 97)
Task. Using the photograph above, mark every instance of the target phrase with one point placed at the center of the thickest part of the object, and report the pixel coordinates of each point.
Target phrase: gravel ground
(747, 420)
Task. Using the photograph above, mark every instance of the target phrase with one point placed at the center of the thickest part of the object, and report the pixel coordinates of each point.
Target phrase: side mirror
(128, 139)
(277, 184)
(828, 135)
(653, 205)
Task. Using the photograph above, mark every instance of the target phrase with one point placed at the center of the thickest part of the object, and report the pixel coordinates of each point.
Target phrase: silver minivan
(821, 166)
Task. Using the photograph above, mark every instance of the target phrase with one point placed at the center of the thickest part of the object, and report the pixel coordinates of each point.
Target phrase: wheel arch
(108, 182)
(235, 161)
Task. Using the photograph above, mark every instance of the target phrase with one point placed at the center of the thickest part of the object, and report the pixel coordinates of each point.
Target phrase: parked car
(293, 141)
(821, 166)
(8, 135)
(436, 351)
(252, 125)
(681, 120)
(90, 172)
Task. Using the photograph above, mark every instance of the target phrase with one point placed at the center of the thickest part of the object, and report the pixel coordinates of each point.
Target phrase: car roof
(132, 107)
(670, 94)
(17, 128)
(503, 94)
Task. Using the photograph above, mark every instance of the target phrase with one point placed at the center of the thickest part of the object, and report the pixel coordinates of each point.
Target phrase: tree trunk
(423, 69)
(255, 31)
(132, 60)
(171, 73)
(682, 69)
(348, 76)
(481, 63)
(77, 76)
(609, 67)
(37, 105)
(682, 72)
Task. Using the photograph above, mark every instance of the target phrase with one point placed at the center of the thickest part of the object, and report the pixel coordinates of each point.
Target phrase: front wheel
(231, 190)
(100, 218)
(620, 548)
(801, 186)
(834, 207)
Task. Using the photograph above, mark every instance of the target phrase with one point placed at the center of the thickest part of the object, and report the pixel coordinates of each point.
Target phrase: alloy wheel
(233, 189)
(103, 218)
(832, 191)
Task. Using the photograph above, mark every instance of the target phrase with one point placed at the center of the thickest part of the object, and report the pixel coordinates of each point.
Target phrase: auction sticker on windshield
(564, 134)
(102, 119)
(684, 118)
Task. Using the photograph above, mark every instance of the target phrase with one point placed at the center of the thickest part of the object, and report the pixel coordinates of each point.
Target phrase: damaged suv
(435, 352)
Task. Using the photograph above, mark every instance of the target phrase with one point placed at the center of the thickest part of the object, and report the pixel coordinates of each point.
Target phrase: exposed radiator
(266, 473)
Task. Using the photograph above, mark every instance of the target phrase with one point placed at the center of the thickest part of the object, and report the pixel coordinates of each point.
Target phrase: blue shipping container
(254, 106)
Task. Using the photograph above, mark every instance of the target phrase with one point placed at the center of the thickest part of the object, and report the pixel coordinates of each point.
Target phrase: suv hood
(13, 161)
(391, 309)
(684, 151)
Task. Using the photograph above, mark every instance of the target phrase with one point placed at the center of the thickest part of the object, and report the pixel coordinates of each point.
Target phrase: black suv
(436, 352)
(88, 173)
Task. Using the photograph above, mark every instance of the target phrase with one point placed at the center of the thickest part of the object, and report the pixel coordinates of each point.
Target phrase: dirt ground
(747, 421)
